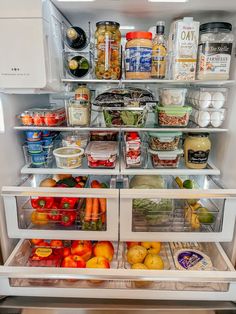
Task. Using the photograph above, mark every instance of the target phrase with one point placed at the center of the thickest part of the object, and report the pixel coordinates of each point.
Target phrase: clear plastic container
(172, 96)
(68, 157)
(102, 154)
(166, 159)
(165, 141)
(126, 117)
(173, 116)
(75, 139)
(204, 98)
(208, 117)
(43, 116)
(214, 51)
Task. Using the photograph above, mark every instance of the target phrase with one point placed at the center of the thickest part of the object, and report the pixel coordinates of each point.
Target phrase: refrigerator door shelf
(117, 283)
(171, 217)
(21, 223)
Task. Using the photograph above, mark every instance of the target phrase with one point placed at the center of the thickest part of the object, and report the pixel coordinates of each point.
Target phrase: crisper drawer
(120, 281)
(203, 211)
(63, 213)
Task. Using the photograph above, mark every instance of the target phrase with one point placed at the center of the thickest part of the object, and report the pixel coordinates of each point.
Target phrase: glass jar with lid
(138, 55)
(214, 51)
(78, 112)
(197, 147)
(108, 50)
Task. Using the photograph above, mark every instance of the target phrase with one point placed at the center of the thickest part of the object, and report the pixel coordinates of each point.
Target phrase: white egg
(218, 100)
(196, 98)
(217, 118)
(196, 116)
(203, 118)
(205, 100)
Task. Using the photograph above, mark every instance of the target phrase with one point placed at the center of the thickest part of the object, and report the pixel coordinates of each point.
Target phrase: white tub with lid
(68, 157)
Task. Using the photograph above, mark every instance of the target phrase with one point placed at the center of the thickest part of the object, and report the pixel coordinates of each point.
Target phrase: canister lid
(198, 134)
(108, 23)
(206, 27)
(138, 35)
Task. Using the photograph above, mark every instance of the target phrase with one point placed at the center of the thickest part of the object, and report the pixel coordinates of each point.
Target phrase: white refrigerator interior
(32, 75)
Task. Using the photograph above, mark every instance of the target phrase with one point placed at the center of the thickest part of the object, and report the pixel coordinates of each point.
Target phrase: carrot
(95, 184)
(95, 209)
(103, 205)
(88, 209)
(103, 218)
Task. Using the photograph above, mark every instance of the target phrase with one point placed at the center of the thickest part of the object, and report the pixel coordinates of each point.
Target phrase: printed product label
(214, 58)
(138, 59)
(43, 252)
(189, 259)
(159, 61)
(198, 157)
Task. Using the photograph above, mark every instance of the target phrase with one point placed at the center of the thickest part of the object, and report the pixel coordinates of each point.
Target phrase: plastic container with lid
(210, 116)
(197, 147)
(126, 117)
(172, 96)
(166, 159)
(68, 157)
(138, 55)
(173, 116)
(74, 139)
(207, 97)
(103, 136)
(108, 50)
(102, 154)
(164, 140)
(214, 51)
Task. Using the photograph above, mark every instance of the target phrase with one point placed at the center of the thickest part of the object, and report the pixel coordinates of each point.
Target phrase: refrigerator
(33, 74)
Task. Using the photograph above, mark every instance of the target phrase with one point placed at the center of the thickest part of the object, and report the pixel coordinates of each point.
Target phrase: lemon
(138, 266)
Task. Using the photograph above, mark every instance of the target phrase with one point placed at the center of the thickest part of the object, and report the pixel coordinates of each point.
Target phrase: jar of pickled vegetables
(108, 50)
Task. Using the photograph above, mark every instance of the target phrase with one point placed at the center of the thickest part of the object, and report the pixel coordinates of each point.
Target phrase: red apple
(66, 251)
(73, 261)
(98, 262)
(104, 249)
(82, 248)
(36, 241)
(56, 243)
(130, 244)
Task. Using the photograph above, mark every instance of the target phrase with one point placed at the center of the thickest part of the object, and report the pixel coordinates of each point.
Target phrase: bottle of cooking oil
(159, 52)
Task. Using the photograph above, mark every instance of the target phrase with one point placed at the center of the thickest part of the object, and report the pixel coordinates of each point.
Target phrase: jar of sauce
(138, 55)
(82, 93)
(197, 147)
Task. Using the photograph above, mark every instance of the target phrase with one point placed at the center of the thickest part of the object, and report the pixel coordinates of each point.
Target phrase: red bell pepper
(68, 217)
(54, 214)
(42, 202)
(68, 202)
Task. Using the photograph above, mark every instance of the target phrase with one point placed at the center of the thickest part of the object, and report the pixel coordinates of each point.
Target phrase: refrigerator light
(127, 27)
(168, 1)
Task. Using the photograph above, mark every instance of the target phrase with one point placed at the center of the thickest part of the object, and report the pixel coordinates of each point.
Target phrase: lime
(205, 216)
(73, 64)
(188, 184)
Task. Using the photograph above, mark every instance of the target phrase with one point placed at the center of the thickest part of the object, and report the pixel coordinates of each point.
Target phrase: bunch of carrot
(95, 206)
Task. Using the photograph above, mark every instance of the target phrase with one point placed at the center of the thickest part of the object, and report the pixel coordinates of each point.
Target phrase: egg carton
(208, 117)
(204, 98)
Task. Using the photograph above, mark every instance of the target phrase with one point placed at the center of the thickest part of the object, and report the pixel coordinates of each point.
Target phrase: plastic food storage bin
(166, 159)
(75, 139)
(125, 116)
(172, 96)
(173, 116)
(210, 116)
(102, 154)
(204, 98)
(164, 140)
(68, 157)
(43, 116)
